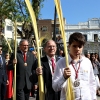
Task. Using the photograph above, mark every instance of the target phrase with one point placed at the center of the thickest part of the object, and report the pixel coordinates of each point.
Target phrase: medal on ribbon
(25, 64)
(76, 82)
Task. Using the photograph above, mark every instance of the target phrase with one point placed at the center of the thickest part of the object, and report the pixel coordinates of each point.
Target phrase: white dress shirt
(87, 87)
(50, 63)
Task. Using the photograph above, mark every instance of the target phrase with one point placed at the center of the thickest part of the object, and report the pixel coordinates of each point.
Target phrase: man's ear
(68, 47)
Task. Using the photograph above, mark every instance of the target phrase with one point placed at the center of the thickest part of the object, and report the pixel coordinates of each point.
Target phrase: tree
(5, 10)
(6, 47)
(16, 9)
(27, 28)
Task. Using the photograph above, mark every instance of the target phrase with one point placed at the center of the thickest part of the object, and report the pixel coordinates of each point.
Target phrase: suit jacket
(47, 76)
(3, 71)
(23, 73)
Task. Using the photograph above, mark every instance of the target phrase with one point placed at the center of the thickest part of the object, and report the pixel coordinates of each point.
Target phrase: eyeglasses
(24, 45)
(51, 46)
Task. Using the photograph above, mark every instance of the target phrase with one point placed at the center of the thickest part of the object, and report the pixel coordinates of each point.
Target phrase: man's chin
(51, 55)
(78, 54)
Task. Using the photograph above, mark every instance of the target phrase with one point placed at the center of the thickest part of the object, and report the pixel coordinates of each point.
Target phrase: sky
(74, 11)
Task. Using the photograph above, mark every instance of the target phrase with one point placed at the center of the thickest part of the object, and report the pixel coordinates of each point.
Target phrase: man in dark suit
(24, 63)
(3, 75)
(48, 70)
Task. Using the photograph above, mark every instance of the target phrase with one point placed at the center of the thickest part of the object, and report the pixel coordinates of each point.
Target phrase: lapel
(3, 60)
(21, 55)
(27, 58)
(46, 63)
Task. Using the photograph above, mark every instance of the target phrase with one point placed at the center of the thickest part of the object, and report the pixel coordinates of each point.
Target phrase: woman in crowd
(88, 55)
(9, 91)
(96, 66)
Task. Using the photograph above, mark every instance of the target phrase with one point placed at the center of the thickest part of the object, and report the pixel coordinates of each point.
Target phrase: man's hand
(7, 82)
(39, 71)
(14, 61)
(67, 73)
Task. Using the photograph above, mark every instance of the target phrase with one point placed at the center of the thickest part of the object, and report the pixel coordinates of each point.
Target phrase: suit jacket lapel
(21, 55)
(46, 63)
(27, 57)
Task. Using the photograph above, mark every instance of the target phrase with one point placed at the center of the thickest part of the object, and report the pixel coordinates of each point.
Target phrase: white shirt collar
(50, 58)
(71, 60)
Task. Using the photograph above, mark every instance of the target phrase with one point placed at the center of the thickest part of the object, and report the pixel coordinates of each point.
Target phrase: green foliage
(16, 9)
(37, 5)
(6, 47)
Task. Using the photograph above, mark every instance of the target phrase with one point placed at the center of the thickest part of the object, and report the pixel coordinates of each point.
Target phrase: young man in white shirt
(80, 72)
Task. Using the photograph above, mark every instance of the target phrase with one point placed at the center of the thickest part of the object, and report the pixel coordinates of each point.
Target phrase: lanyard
(76, 71)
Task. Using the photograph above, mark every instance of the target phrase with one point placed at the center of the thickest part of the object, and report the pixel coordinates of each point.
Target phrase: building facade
(91, 31)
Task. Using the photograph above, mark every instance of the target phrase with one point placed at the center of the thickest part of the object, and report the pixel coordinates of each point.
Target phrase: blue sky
(74, 11)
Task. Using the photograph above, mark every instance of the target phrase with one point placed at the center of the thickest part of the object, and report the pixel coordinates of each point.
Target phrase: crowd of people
(94, 58)
(83, 70)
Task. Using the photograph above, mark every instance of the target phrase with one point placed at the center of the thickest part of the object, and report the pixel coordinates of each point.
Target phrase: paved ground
(32, 98)
(98, 98)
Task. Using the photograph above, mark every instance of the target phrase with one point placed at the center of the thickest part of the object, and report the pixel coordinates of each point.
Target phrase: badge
(25, 64)
(76, 83)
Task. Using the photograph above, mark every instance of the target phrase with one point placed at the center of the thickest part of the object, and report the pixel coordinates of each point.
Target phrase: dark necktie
(53, 64)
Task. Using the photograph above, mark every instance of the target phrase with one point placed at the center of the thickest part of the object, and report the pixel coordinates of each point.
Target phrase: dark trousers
(50, 95)
(2, 90)
(22, 94)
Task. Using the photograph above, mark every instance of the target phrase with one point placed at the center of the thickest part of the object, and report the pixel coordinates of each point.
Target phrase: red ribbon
(76, 71)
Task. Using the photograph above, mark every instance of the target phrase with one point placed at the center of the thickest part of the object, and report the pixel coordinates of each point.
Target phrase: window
(44, 28)
(57, 29)
(85, 36)
(95, 37)
(9, 28)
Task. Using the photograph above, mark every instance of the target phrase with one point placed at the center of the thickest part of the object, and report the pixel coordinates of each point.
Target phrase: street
(31, 98)
(98, 98)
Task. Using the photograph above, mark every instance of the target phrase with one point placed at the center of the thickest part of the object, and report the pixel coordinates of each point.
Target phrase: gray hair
(45, 44)
(23, 41)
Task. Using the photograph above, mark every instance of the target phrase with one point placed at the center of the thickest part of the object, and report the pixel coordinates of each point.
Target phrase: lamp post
(54, 33)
